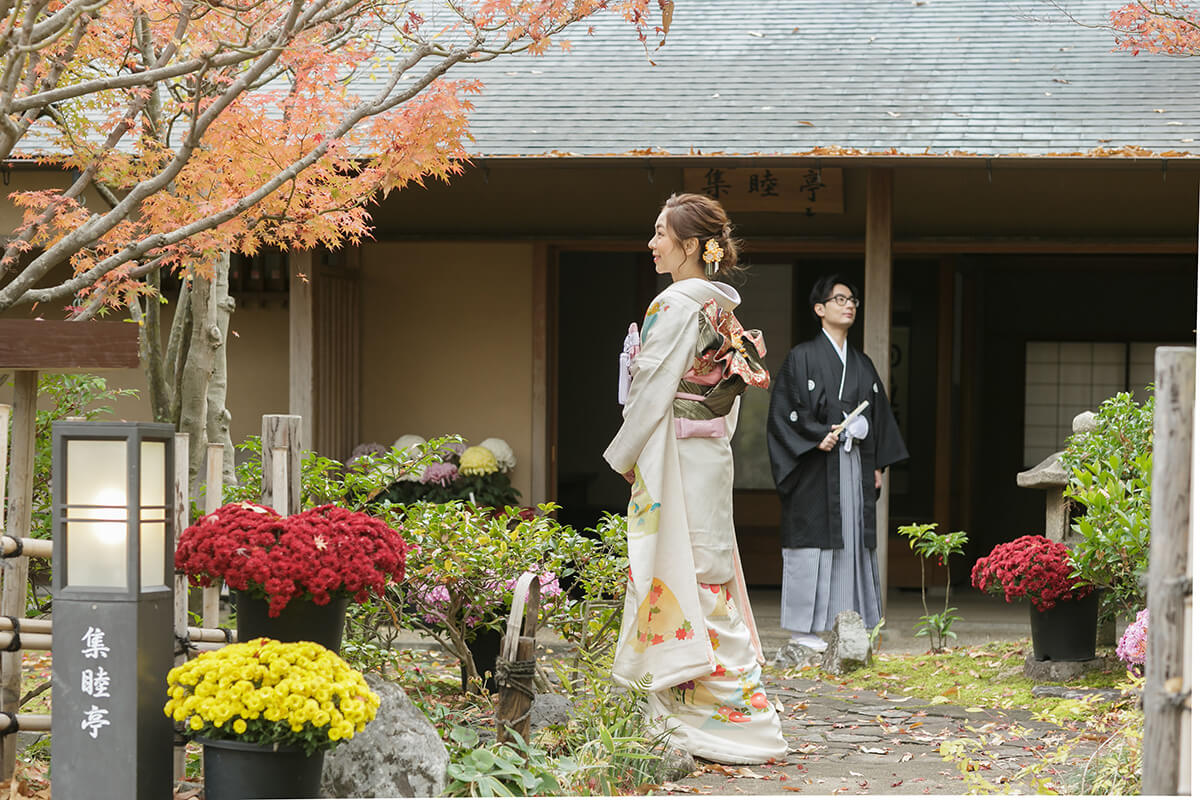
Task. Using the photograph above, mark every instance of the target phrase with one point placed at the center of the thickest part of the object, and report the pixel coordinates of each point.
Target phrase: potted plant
(1062, 613)
(446, 469)
(293, 576)
(266, 712)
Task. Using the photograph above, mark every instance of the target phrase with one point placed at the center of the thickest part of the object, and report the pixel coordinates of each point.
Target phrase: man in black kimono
(827, 469)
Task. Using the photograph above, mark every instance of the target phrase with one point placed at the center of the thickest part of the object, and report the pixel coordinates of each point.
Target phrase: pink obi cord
(686, 396)
(699, 428)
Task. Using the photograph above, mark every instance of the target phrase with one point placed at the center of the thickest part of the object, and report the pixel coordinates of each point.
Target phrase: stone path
(866, 742)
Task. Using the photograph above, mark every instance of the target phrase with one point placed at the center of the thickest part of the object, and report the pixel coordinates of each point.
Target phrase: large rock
(549, 709)
(399, 754)
(794, 654)
(851, 646)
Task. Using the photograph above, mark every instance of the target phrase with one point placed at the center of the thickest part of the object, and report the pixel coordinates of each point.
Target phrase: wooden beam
(877, 325)
(853, 245)
(301, 379)
(15, 571)
(1167, 680)
(51, 345)
(539, 489)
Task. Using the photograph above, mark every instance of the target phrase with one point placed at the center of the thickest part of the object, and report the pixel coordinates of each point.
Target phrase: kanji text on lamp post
(113, 487)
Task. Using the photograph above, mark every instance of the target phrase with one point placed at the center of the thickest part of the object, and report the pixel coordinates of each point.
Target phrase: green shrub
(1110, 469)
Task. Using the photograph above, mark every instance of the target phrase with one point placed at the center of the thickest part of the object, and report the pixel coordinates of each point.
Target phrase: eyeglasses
(841, 300)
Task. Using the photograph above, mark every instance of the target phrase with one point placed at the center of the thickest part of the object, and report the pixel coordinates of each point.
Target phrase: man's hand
(878, 479)
(830, 441)
(629, 476)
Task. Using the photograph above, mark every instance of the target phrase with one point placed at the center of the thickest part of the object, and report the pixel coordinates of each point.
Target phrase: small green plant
(928, 544)
(516, 769)
(1110, 468)
(608, 735)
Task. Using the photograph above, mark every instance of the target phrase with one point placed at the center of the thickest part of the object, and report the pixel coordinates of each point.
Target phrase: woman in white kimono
(687, 633)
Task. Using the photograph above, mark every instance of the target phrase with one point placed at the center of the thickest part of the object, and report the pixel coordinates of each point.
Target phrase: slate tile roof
(857, 77)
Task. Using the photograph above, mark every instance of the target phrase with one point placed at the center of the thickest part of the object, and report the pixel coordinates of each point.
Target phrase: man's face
(839, 309)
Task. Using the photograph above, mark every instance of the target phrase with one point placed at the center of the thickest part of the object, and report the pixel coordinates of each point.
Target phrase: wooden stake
(517, 652)
(214, 483)
(1168, 684)
(179, 522)
(15, 571)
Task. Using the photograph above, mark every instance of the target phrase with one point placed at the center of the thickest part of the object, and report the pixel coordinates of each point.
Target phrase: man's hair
(822, 288)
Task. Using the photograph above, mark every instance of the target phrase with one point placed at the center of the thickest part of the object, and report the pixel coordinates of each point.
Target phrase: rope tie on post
(15, 643)
(13, 725)
(18, 549)
(228, 633)
(183, 645)
(518, 676)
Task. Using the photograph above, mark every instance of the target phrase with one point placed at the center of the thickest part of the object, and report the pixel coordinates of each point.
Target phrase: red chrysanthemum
(1032, 567)
(317, 553)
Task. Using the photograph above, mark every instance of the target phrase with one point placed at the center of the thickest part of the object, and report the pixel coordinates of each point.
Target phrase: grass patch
(989, 675)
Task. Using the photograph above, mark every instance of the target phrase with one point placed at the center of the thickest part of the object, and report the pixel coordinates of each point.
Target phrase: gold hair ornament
(712, 257)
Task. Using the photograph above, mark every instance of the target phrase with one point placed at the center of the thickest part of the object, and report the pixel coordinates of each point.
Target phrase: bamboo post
(15, 571)
(1167, 682)
(180, 521)
(281, 438)
(515, 667)
(213, 486)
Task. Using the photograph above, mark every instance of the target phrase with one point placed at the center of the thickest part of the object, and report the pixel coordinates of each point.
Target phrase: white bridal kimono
(687, 627)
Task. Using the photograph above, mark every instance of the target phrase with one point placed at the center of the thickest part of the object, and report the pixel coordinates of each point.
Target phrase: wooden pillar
(877, 323)
(281, 462)
(182, 501)
(301, 318)
(214, 466)
(15, 571)
(540, 462)
(944, 432)
(1168, 685)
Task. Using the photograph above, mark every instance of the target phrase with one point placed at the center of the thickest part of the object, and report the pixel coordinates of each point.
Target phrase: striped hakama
(819, 583)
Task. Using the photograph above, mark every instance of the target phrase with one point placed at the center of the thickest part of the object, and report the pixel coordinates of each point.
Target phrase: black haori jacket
(804, 404)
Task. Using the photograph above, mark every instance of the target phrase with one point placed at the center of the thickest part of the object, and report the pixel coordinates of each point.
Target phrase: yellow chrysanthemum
(243, 687)
(477, 461)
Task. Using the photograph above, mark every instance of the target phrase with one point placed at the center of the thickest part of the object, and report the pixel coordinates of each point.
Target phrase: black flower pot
(301, 620)
(1066, 631)
(485, 649)
(246, 771)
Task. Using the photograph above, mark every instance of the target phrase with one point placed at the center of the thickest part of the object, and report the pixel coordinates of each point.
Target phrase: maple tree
(190, 129)
(1170, 27)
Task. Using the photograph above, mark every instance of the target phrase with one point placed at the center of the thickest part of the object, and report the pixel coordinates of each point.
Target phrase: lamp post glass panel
(113, 485)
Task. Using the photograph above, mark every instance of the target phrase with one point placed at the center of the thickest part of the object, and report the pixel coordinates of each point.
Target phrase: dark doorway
(599, 294)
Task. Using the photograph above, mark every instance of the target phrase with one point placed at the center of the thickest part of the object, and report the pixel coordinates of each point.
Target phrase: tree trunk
(152, 354)
(196, 374)
(218, 416)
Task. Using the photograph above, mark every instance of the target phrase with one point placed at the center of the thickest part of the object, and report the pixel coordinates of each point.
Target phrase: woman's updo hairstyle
(698, 216)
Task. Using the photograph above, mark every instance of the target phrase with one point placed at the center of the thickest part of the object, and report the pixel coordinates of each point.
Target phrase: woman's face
(669, 255)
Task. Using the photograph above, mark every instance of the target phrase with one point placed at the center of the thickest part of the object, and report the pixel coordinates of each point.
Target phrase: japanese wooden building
(1017, 202)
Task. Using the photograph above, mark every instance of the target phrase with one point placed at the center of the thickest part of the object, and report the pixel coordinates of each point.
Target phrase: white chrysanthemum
(410, 446)
(502, 452)
(408, 440)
